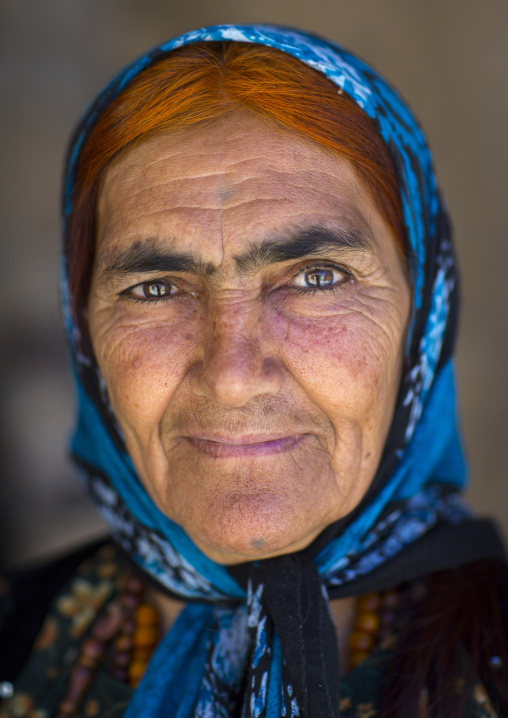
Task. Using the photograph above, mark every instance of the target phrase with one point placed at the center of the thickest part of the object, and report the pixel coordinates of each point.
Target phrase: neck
(343, 614)
(169, 608)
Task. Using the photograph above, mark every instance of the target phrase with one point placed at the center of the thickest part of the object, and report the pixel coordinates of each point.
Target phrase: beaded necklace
(132, 628)
(375, 617)
(129, 630)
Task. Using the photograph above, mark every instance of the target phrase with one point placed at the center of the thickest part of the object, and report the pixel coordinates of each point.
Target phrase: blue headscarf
(254, 658)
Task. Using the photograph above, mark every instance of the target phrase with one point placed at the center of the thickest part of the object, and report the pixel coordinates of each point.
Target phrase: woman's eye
(319, 278)
(152, 290)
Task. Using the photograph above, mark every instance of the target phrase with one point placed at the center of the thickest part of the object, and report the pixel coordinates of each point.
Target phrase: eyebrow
(146, 257)
(316, 240)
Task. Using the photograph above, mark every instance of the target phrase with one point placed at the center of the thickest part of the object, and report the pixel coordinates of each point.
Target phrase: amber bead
(356, 657)
(367, 621)
(145, 636)
(360, 641)
(136, 670)
(370, 602)
(146, 615)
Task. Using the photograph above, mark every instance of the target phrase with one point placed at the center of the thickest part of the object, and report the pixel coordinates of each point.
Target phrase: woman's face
(248, 312)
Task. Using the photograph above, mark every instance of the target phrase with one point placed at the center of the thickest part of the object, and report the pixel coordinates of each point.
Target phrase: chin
(250, 527)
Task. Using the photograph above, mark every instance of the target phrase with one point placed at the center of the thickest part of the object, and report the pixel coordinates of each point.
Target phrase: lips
(246, 446)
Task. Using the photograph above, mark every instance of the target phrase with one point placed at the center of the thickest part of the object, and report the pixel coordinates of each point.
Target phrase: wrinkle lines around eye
(377, 315)
(380, 328)
(126, 339)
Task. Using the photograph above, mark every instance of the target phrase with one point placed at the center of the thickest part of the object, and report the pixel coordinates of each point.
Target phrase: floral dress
(97, 583)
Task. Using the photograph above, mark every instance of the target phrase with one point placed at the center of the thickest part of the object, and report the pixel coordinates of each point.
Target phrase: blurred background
(449, 58)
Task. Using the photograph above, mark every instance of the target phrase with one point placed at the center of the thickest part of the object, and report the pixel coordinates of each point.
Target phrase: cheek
(142, 367)
(341, 365)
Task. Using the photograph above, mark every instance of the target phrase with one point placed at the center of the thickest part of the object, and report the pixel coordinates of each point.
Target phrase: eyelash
(155, 300)
(300, 290)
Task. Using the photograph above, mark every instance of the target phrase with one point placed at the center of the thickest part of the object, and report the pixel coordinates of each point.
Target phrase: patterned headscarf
(272, 651)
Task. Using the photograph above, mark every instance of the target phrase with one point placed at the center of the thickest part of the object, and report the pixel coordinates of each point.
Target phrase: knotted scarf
(257, 640)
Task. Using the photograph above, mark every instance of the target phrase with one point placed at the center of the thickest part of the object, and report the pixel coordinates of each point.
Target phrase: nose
(235, 365)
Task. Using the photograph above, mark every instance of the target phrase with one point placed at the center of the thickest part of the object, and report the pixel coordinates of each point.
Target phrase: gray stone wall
(450, 60)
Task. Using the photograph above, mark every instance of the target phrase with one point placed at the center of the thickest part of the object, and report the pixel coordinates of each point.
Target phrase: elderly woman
(261, 300)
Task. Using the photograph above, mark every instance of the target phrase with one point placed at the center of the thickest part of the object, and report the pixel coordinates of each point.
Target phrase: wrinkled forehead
(238, 159)
(230, 190)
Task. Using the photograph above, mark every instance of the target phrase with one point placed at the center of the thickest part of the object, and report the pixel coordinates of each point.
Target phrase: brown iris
(155, 289)
(319, 277)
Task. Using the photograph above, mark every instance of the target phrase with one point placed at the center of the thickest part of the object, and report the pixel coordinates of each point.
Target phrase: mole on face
(225, 193)
(257, 543)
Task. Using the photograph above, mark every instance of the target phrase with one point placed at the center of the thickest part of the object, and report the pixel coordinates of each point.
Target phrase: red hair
(198, 85)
